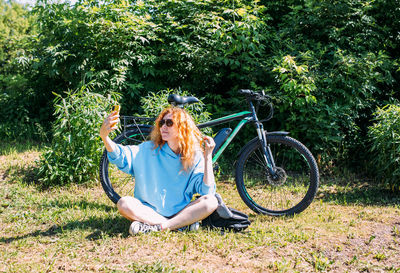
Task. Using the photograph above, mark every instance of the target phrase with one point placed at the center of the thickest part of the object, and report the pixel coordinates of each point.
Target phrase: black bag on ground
(226, 218)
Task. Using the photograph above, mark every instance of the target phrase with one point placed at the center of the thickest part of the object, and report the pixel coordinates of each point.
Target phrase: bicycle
(274, 173)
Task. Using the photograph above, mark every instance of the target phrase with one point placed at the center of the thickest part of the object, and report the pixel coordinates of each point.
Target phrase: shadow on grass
(102, 227)
(362, 194)
(81, 204)
(7, 147)
(25, 174)
(29, 175)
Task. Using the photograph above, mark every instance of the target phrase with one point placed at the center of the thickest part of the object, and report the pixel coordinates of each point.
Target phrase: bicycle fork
(266, 151)
(267, 154)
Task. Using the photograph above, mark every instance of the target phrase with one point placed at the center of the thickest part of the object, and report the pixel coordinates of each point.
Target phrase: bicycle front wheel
(297, 182)
(115, 182)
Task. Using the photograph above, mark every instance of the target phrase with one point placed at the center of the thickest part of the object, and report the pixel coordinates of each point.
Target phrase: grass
(350, 226)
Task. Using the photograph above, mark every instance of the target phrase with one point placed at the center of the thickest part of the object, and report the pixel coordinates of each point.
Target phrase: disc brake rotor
(279, 179)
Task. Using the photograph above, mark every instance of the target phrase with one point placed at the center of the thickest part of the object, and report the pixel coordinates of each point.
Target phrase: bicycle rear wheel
(115, 182)
(298, 179)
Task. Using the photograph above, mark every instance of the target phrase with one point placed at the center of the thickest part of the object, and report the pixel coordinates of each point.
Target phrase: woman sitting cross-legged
(168, 171)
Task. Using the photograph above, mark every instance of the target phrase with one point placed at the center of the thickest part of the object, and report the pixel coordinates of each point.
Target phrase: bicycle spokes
(280, 191)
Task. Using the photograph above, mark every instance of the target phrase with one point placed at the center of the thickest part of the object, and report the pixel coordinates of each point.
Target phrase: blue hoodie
(160, 181)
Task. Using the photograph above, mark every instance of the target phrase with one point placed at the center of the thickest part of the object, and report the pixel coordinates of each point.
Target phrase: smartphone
(116, 108)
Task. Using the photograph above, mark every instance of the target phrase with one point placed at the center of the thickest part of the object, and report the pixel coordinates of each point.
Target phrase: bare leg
(132, 209)
(195, 211)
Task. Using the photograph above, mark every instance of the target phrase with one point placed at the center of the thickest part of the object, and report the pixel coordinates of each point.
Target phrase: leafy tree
(15, 27)
(17, 98)
(137, 47)
(328, 64)
(342, 46)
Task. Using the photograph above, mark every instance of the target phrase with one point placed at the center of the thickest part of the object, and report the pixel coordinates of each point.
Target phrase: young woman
(168, 170)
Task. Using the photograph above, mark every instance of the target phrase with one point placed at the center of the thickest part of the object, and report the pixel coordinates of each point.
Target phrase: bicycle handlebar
(254, 95)
(258, 96)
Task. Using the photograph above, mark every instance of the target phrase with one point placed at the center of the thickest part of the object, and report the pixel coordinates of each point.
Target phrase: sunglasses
(168, 122)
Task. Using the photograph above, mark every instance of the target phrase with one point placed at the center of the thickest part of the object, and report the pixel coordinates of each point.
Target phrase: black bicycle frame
(244, 117)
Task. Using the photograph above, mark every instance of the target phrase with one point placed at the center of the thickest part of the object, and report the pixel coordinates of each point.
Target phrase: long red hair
(189, 136)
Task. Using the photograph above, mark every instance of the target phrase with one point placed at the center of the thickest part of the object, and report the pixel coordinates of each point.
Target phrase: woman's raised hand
(109, 124)
(209, 145)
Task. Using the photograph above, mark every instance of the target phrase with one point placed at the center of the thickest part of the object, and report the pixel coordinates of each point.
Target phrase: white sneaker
(139, 227)
(193, 227)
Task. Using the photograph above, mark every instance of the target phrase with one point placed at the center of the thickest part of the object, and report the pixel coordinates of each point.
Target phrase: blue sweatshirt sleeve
(197, 179)
(123, 157)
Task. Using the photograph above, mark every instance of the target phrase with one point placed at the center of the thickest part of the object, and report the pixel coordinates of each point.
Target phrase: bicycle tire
(115, 182)
(277, 198)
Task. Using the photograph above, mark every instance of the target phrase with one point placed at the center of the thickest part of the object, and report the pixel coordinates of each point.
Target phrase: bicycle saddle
(181, 101)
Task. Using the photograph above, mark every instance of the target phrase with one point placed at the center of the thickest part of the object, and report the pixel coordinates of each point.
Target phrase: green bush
(385, 149)
(150, 45)
(353, 67)
(76, 147)
(328, 64)
(18, 108)
(155, 102)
